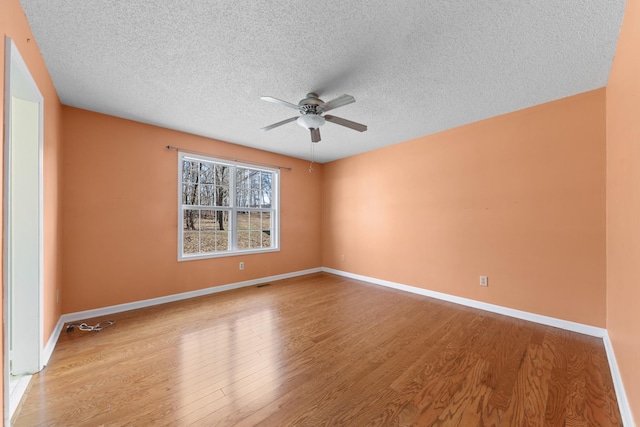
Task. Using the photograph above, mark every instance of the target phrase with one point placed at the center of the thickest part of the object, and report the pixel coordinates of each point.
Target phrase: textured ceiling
(414, 67)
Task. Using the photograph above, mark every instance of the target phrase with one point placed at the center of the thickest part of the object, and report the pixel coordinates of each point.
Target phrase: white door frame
(19, 83)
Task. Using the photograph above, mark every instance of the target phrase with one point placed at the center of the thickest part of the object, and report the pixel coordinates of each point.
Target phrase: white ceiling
(414, 67)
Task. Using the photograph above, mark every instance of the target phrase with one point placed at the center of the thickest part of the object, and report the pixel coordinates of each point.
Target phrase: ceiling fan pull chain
(312, 158)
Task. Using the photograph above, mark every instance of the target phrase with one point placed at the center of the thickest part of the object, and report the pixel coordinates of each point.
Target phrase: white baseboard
(532, 317)
(623, 402)
(104, 311)
(51, 344)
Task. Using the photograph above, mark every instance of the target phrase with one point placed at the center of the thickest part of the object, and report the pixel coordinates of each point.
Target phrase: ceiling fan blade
(338, 102)
(347, 123)
(275, 125)
(279, 101)
(315, 135)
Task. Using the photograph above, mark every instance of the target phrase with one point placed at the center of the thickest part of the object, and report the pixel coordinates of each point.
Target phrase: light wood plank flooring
(321, 350)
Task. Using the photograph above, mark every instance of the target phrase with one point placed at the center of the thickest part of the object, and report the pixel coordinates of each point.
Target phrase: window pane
(222, 175)
(266, 220)
(254, 199)
(207, 194)
(222, 220)
(266, 239)
(242, 178)
(266, 181)
(243, 240)
(255, 222)
(256, 239)
(189, 194)
(222, 196)
(265, 195)
(243, 220)
(222, 240)
(190, 219)
(207, 173)
(190, 242)
(189, 172)
(254, 179)
(242, 198)
(207, 220)
(207, 242)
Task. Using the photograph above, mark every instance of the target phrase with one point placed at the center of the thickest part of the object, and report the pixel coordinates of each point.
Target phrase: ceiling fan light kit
(310, 121)
(311, 109)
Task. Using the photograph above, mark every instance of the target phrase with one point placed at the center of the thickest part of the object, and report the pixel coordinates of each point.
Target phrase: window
(225, 208)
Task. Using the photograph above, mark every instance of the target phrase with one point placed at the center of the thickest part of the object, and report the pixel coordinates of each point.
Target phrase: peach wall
(519, 198)
(623, 204)
(120, 214)
(13, 24)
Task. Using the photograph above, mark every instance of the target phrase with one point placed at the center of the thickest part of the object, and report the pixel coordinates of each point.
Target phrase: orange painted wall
(120, 214)
(13, 24)
(623, 204)
(519, 198)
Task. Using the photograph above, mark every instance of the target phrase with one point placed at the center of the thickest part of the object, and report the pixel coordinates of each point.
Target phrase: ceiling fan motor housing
(310, 118)
(311, 100)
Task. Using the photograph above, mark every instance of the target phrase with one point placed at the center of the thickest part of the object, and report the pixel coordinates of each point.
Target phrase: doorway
(23, 228)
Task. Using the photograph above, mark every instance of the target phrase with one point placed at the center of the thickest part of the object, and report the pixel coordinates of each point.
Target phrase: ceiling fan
(311, 111)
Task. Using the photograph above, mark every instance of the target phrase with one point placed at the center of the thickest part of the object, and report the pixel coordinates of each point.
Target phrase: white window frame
(233, 210)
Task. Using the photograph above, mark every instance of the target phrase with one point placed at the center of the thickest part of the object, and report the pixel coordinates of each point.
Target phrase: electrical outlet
(342, 257)
(241, 266)
(484, 281)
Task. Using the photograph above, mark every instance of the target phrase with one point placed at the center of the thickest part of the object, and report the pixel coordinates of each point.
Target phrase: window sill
(226, 254)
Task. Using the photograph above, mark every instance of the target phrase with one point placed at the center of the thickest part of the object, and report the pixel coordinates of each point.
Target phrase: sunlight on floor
(240, 353)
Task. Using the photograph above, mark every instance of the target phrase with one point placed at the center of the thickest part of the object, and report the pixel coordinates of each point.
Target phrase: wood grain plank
(321, 350)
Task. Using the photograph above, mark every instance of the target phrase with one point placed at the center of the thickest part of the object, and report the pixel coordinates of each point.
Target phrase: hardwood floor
(321, 350)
